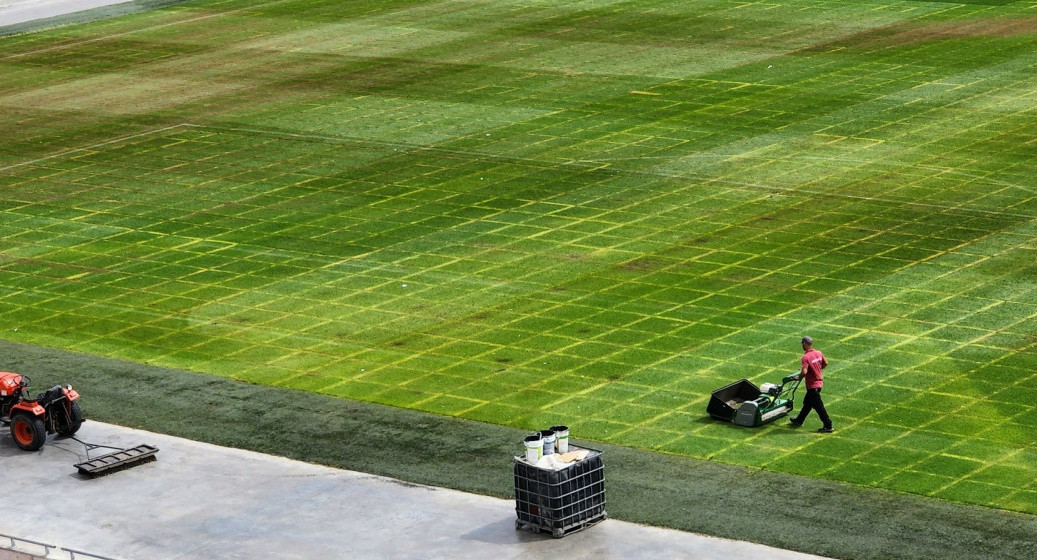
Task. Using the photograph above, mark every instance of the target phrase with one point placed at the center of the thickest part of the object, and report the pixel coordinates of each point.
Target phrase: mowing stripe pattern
(532, 213)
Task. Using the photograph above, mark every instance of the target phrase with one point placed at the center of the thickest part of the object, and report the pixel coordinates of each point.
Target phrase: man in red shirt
(813, 362)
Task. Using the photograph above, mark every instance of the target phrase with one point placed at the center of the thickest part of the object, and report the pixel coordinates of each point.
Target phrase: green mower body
(745, 404)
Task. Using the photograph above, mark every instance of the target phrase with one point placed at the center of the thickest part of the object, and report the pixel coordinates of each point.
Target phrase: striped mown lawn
(531, 213)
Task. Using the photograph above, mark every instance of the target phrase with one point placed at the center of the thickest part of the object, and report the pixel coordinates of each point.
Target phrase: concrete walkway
(21, 11)
(200, 501)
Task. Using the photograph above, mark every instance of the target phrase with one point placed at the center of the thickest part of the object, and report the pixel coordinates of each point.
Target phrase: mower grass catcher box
(745, 404)
(724, 402)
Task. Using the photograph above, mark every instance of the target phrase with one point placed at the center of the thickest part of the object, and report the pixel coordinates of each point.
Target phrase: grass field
(531, 213)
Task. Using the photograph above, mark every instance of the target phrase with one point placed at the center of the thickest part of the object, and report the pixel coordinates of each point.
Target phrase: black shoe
(825, 430)
(794, 424)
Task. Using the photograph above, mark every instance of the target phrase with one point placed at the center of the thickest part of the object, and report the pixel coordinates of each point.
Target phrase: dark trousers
(812, 401)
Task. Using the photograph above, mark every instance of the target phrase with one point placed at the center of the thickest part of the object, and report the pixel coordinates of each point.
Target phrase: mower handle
(789, 378)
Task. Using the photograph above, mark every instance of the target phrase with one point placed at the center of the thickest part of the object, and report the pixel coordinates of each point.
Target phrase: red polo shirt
(814, 361)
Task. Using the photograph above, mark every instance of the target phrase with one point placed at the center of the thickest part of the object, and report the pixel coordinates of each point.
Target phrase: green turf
(533, 213)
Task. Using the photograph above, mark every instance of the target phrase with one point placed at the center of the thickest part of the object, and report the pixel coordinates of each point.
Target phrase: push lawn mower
(745, 404)
(52, 411)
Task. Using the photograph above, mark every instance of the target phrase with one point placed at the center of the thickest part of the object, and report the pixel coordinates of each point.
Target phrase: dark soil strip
(808, 515)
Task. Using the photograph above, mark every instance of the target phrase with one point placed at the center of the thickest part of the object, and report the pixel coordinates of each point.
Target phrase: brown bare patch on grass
(912, 32)
(641, 265)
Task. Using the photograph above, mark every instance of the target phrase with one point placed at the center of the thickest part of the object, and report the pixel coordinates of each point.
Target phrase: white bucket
(561, 438)
(534, 448)
(549, 441)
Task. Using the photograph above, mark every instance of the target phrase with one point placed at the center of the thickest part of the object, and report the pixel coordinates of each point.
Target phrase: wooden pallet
(562, 531)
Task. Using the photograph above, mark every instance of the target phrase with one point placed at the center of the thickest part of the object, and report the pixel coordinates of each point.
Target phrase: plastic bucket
(534, 448)
(549, 441)
(561, 438)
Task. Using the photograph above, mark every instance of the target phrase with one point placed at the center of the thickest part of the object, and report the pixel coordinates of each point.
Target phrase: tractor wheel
(75, 420)
(28, 432)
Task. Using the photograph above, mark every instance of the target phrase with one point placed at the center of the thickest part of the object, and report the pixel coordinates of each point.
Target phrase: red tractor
(52, 411)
